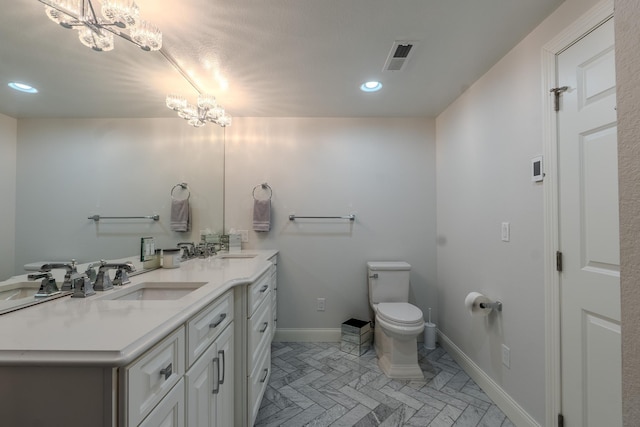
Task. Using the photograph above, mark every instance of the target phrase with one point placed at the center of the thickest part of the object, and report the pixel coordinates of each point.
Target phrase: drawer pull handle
(224, 367)
(217, 322)
(216, 385)
(264, 289)
(265, 325)
(167, 371)
(264, 377)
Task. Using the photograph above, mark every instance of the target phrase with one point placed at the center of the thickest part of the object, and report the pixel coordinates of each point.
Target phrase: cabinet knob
(167, 371)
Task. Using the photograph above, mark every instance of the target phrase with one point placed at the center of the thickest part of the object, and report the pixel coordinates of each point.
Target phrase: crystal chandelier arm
(143, 34)
(92, 10)
(179, 69)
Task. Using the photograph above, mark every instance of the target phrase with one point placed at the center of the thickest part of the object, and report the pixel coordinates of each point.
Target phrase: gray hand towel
(262, 215)
(180, 215)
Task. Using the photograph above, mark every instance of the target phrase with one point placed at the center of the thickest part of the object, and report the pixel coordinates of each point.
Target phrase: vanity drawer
(258, 291)
(204, 327)
(260, 326)
(258, 383)
(150, 378)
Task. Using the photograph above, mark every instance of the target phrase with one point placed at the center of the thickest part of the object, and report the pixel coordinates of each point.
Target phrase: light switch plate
(506, 356)
(506, 232)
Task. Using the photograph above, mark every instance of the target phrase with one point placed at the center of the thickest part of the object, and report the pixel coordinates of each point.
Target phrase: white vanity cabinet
(200, 361)
(210, 380)
(274, 294)
(259, 334)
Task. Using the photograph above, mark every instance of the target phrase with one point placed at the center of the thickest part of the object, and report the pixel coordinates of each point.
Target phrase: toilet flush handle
(373, 276)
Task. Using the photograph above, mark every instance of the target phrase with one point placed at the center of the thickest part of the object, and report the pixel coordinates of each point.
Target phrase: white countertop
(100, 332)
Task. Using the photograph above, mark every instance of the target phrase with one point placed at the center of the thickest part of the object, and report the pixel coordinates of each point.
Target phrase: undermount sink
(153, 291)
(237, 256)
(19, 290)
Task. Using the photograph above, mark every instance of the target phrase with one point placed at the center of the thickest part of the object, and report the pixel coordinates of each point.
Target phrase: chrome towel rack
(184, 186)
(98, 217)
(351, 217)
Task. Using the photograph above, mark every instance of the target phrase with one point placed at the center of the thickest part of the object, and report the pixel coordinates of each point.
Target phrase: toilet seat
(401, 314)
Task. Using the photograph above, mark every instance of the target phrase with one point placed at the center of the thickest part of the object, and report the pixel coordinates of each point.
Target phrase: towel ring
(184, 186)
(265, 187)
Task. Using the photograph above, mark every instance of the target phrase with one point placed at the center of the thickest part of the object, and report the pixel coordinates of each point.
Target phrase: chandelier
(207, 110)
(97, 31)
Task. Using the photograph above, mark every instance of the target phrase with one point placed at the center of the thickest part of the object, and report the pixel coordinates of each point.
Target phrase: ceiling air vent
(399, 55)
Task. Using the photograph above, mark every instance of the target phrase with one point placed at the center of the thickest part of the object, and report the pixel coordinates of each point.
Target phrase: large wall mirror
(98, 139)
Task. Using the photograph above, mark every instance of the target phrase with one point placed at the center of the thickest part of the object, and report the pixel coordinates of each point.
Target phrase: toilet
(397, 323)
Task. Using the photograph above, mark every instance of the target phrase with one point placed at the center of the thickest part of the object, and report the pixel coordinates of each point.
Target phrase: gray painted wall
(383, 170)
(68, 170)
(485, 142)
(8, 139)
(628, 97)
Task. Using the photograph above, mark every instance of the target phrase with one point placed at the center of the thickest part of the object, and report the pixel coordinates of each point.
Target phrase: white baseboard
(510, 407)
(307, 335)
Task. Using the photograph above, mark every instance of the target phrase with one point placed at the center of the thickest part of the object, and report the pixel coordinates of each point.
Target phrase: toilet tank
(392, 282)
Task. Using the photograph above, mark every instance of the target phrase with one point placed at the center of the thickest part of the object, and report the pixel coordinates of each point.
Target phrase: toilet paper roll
(473, 301)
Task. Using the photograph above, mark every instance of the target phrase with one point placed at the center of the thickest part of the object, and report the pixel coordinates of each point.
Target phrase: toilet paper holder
(496, 305)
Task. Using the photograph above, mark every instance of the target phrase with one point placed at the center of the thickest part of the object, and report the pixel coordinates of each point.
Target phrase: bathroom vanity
(175, 347)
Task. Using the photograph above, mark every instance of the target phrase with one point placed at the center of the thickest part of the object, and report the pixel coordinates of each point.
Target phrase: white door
(588, 206)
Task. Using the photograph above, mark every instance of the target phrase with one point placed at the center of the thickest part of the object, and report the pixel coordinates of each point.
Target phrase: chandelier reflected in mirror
(207, 110)
(118, 17)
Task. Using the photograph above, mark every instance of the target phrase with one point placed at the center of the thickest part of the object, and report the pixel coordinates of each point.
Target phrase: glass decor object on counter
(147, 249)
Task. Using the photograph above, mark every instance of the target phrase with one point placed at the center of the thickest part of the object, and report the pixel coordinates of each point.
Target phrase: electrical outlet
(244, 235)
(506, 356)
(321, 302)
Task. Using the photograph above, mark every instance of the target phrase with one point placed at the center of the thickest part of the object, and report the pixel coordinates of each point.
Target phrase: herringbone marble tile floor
(316, 384)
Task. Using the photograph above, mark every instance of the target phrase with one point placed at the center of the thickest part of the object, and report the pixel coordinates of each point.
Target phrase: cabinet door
(170, 410)
(210, 385)
(201, 379)
(225, 401)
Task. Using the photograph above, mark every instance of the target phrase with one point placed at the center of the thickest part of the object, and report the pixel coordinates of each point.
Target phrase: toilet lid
(400, 312)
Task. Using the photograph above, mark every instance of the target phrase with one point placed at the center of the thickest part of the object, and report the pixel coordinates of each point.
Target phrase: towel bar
(98, 217)
(351, 217)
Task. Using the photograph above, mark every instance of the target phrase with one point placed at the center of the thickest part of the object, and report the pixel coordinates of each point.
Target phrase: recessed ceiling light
(22, 87)
(372, 86)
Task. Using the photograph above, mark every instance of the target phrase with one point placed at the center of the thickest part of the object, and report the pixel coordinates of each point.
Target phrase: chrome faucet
(103, 281)
(189, 250)
(83, 287)
(204, 250)
(48, 285)
(70, 276)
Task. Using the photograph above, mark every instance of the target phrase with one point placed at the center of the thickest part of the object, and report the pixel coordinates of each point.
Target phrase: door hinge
(558, 261)
(560, 420)
(557, 91)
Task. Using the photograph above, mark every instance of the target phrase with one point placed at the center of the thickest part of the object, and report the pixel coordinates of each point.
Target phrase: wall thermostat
(537, 171)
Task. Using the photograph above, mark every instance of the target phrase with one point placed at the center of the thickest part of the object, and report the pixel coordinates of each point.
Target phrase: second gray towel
(180, 215)
(262, 215)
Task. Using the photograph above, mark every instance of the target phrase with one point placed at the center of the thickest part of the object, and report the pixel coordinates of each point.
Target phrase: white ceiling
(264, 58)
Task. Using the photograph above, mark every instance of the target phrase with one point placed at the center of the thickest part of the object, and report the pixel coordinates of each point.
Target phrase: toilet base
(397, 358)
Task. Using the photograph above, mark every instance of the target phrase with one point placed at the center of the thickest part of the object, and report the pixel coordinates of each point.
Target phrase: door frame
(576, 31)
